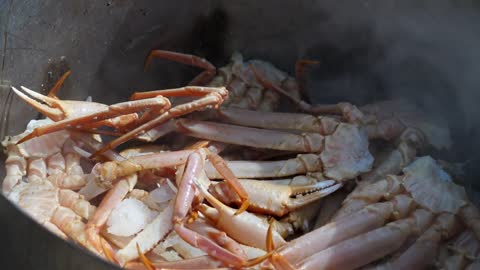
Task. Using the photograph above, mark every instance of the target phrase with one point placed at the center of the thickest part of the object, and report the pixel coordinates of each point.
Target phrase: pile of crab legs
(397, 216)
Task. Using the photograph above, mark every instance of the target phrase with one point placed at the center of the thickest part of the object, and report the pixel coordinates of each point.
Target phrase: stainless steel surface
(369, 50)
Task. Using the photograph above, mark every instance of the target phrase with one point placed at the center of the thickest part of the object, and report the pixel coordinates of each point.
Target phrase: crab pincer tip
(243, 207)
(26, 138)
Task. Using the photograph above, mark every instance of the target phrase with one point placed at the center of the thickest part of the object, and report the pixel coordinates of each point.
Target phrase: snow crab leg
(209, 96)
(194, 170)
(81, 114)
(343, 154)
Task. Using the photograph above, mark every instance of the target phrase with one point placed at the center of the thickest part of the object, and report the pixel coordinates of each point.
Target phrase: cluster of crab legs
(60, 172)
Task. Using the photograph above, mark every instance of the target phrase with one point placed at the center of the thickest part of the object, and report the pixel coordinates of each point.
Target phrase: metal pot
(426, 51)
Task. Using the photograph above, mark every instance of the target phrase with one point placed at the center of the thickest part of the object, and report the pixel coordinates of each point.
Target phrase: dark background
(426, 51)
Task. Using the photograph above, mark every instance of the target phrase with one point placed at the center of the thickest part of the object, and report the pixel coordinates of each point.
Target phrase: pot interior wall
(426, 51)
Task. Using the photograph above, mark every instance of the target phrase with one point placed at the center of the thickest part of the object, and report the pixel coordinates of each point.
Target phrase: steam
(428, 54)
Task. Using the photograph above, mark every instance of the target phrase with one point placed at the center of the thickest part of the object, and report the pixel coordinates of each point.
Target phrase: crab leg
(111, 170)
(365, 220)
(423, 251)
(93, 145)
(112, 199)
(344, 154)
(253, 137)
(53, 91)
(365, 248)
(237, 225)
(275, 199)
(183, 201)
(302, 164)
(369, 194)
(218, 236)
(210, 96)
(187, 59)
(279, 120)
(105, 112)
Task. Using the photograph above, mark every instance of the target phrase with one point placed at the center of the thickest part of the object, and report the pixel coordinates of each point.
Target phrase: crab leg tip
(108, 254)
(243, 207)
(26, 138)
(148, 264)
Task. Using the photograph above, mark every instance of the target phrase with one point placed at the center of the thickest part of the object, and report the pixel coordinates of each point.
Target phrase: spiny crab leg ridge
(212, 97)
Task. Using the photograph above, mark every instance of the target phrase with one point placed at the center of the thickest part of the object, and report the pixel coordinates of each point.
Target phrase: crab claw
(275, 199)
(56, 109)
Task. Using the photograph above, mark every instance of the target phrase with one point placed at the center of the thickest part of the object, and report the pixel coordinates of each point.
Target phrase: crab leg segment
(302, 164)
(186, 59)
(230, 180)
(365, 248)
(53, 91)
(210, 96)
(106, 112)
(348, 110)
(278, 120)
(423, 251)
(112, 199)
(111, 170)
(183, 201)
(237, 226)
(253, 137)
(368, 194)
(275, 199)
(369, 218)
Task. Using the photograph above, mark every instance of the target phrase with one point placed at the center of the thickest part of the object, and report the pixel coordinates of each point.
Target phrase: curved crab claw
(56, 109)
(275, 199)
(236, 226)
